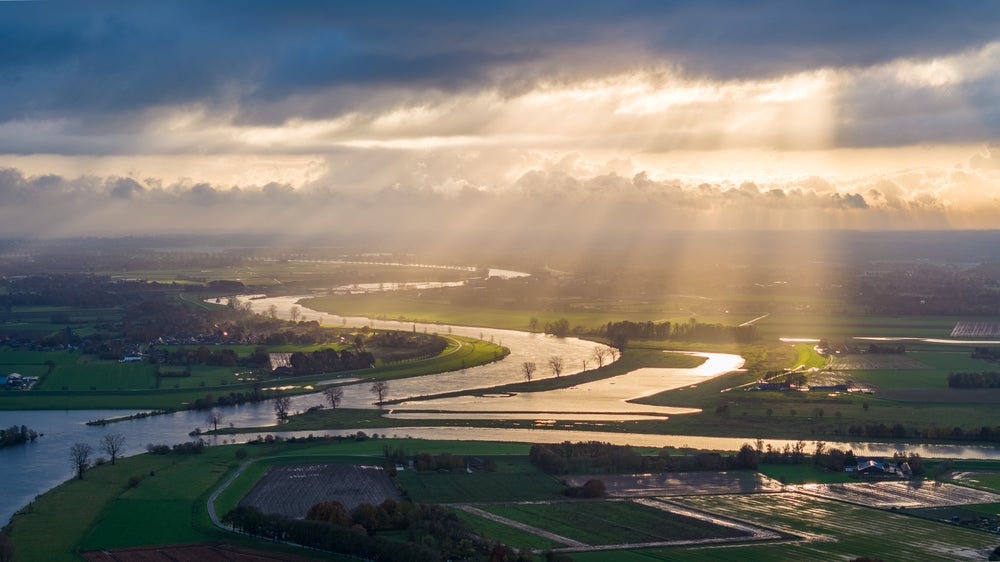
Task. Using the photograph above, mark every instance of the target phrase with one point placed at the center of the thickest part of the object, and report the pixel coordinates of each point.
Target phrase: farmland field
(873, 361)
(985, 480)
(915, 493)
(611, 522)
(832, 530)
(291, 490)
(680, 483)
(478, 487)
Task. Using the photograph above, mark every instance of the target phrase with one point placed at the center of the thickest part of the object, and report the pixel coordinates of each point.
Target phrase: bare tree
(79, 455)
(293, 313)
(584, 361)
(528, 368)
(600, 355)
(556, 364)
(272, 311)
(334, 394)
(380, 389)
(113, 444)
(281, 406)
(215, 418)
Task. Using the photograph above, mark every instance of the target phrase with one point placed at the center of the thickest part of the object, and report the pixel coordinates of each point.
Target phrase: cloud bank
(629, 115)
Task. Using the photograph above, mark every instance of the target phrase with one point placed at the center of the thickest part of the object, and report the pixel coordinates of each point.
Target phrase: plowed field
(291, 490)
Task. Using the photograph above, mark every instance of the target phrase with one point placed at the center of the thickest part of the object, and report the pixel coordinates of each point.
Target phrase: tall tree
(215, 418)
(113, 444)
(281, 406)
(79, 455)
(600, 355)
(380, 389)
(556, 364)
(334, 394)
(528, 368)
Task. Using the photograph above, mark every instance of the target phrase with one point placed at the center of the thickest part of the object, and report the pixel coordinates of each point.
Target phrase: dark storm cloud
(116, 59)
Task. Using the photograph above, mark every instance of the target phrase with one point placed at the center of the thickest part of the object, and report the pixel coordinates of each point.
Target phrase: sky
(444, 118)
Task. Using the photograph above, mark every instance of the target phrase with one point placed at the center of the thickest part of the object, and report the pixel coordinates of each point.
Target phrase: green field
(510, 536)
(514, 480)
(838, 531)
(610, 522)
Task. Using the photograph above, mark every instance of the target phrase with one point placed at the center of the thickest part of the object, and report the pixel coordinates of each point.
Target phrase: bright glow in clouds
(904, 142)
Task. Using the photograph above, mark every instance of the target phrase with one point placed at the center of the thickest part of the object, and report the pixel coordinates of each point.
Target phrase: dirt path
(518, 525)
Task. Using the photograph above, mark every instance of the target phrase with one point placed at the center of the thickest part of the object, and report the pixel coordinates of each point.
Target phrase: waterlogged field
(680, 483)
(914, 493)
(830, 530)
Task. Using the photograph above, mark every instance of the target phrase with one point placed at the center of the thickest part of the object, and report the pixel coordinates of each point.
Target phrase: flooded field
(906, 494)
(834, 530)
(608, 396)
(681, 483)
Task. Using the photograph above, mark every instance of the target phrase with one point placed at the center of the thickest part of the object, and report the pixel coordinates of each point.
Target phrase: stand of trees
(330, 361)
(594, 456)
(989, 379)
(17, 435)
(434, 533)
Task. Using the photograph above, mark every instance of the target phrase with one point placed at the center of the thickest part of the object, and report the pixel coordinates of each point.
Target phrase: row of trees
(112, 444)
(329, 360)
(989, 379)
(433, 532)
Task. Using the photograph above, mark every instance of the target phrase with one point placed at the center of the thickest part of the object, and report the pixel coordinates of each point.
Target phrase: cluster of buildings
(881, 469)
(17, 381)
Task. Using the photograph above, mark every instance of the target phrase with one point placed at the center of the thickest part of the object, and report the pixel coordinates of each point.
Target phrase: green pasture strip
(984, 480)
(846, 531)
(803, 473)
(9, 356)
(610, 522)
(953, 360)
(903, 379)
(494, 531)
(51, 528)
(992, 509)
(844, 327)
(101, 375)
(807, 358)
(437, 487)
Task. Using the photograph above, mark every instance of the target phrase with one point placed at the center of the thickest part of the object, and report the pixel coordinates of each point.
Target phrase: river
(31, 469)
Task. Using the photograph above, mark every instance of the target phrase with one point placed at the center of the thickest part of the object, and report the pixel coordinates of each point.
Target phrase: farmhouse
(773, 386)
(17, 380)
(882, 469)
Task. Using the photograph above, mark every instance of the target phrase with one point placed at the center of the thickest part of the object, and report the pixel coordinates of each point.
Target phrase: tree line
(433, 532)
(989, 379)
(329, 360)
